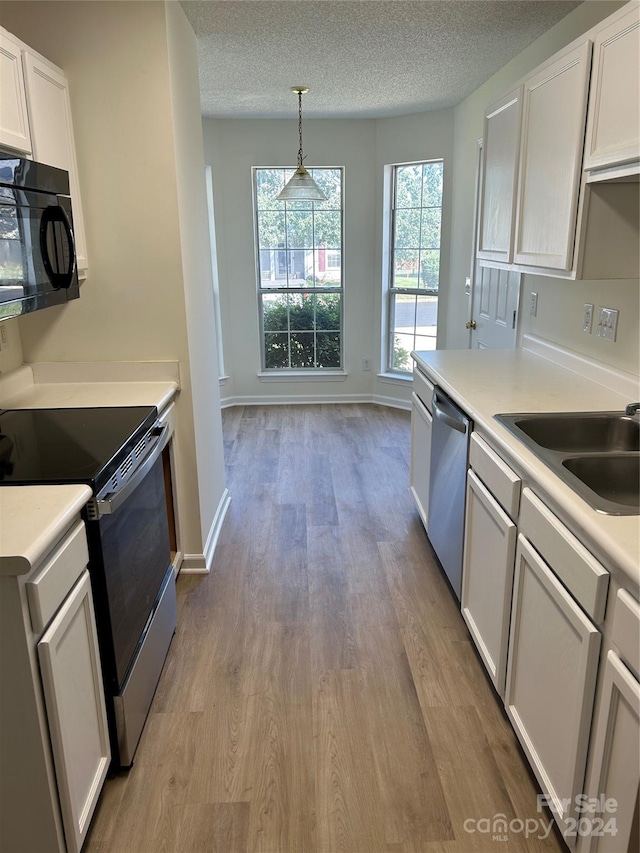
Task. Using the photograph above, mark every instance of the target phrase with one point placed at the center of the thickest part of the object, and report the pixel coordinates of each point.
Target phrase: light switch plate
(607, 323)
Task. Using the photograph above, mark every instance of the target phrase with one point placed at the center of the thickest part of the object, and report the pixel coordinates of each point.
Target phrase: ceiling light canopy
(301, 185)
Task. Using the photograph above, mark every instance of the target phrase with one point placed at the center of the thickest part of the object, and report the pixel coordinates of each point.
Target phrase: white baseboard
(200, 564)
(311, 399)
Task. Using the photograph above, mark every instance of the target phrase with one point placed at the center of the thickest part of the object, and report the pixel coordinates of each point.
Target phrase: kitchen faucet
(632, 409)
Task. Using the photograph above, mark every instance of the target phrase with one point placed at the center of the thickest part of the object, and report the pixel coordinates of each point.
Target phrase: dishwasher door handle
(450, 418)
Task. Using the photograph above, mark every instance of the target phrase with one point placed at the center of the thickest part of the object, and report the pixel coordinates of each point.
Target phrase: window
(414, 272)
(300, 265)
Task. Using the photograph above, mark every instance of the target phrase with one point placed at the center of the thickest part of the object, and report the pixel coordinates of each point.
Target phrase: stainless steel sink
(582, 433)
(597, 454)
(615, 478)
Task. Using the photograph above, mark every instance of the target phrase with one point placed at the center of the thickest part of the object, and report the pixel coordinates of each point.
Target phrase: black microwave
(37, 249)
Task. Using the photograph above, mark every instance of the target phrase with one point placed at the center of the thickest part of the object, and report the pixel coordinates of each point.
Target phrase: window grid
(412, 308)
(305, 337)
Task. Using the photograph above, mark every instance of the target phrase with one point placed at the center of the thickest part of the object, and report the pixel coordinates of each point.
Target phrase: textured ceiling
(368, 58)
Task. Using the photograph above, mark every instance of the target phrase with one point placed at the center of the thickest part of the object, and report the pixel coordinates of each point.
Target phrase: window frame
(412, 291)
(289, 290)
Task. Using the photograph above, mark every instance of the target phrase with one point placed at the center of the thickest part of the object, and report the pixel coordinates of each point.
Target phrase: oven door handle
(112, 501)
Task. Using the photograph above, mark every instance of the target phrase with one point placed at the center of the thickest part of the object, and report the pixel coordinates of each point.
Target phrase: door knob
(470, 325)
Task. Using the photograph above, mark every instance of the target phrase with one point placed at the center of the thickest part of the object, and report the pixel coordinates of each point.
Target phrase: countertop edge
(25, 558)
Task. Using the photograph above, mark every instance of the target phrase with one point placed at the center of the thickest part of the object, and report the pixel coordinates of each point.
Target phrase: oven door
(134, 544)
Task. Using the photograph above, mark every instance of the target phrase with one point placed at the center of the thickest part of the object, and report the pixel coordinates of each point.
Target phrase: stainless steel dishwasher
(447, 485)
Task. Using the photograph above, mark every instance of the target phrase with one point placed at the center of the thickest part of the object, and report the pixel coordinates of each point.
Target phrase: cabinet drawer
(626, 630)
(501, 481)
(422, 387)
(579, 571)
(48, 589)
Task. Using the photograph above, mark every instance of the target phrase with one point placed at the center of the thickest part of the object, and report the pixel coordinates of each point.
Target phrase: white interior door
(494, 308)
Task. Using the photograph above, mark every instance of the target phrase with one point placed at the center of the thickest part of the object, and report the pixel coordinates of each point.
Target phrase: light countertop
(489, 382)
(32, 520)
(62, 395)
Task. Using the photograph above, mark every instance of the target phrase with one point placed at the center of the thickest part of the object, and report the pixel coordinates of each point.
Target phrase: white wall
(362, 147)
(196, 267)
(146, 272)
(560, 303)
(232, 147)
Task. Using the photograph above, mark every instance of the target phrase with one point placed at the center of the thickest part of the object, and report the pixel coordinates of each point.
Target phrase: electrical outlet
(533, 304)
(607, 323)
(4, 341)
(366, 364)
(587, 318)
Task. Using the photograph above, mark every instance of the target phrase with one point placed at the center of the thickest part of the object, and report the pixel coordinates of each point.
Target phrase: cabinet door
(553, 124)
(487, 577)
(615, 768)
(74, 698)
(420, 455)
(500, 141)
(551, 673)
(52, 133)
(613, 126)
(14, 124)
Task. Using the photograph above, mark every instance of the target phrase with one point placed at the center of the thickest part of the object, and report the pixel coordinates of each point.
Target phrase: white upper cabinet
(553, 123)
(613, 127)
(14, 123)
(53, 141)
(499, 177)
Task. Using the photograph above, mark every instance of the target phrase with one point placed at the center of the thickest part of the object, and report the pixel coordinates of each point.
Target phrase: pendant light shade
(301, 186)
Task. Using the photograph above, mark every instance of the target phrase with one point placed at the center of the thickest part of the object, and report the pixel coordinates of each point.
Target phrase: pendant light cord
(300, 157)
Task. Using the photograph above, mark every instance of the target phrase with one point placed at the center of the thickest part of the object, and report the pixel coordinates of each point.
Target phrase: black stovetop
(54, 446)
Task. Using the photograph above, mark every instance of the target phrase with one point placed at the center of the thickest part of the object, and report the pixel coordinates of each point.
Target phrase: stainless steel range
(118, 453)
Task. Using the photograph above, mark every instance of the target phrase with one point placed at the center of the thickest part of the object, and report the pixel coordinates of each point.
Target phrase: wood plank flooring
(321, 694)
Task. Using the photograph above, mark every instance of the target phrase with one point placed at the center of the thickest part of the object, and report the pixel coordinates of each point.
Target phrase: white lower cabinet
(551, 676)
(420, 455)
(54, 741)
(72, 684)
(487, 577)
(612, 827)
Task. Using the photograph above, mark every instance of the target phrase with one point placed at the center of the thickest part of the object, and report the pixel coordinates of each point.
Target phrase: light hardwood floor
(321, 692)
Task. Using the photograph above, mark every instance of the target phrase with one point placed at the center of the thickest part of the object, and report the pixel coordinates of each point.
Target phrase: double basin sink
(597, 454)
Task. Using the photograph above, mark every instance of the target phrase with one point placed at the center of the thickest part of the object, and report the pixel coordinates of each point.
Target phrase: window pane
(409, 186)
(299, 229)
(302, 312)
(271, 232)
(407, 228)
(302, 349)
(427, 315)
(301, 267)
(328, 229)
(430, 238)
(429, 269)
(269, 182)
(329, 181)
(406, 265)
(276, 350)
(402, 346)
(328, 349)
(328, 311)
(275, 312)
(425, 343)
(432, 184)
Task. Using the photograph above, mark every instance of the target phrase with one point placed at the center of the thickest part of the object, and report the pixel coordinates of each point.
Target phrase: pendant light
(301, 186)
